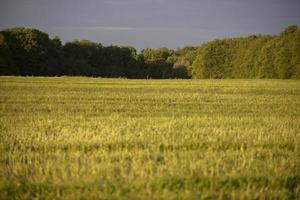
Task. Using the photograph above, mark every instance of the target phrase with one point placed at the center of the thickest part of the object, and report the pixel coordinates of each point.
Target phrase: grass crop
(93, 138)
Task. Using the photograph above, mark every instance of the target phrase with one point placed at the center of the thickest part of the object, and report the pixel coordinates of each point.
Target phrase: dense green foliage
(251, 57)
(7, 66)
(31, 52)
(93, 138)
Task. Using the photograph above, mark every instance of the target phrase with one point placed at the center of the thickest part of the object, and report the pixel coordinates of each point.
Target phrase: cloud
(146, 29)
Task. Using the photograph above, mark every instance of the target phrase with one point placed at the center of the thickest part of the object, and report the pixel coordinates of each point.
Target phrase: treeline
(255, 56)
(26, 51)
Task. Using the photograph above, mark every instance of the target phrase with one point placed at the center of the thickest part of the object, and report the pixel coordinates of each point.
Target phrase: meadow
(94, 138)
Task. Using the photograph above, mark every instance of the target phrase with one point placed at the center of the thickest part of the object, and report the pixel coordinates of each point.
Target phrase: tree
(30, 49)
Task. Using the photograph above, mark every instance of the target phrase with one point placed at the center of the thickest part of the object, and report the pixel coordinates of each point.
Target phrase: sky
(150, 23)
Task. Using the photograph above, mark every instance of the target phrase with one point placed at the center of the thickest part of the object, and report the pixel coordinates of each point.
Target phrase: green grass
(92, 138)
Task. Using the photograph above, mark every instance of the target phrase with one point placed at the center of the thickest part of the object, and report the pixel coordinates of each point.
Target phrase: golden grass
(93, 138)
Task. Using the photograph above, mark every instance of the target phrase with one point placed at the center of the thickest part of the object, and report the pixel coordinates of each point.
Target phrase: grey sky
(150, 23)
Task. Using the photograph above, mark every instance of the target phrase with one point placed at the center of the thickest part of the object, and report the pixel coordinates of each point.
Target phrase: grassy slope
(143, 139)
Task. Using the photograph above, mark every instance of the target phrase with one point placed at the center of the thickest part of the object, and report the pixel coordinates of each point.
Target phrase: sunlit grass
(92, 138)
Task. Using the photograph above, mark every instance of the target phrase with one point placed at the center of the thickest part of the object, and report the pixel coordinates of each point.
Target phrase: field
(93, 138)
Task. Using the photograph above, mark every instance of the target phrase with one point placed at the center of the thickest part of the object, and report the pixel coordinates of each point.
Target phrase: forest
(31, 52)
